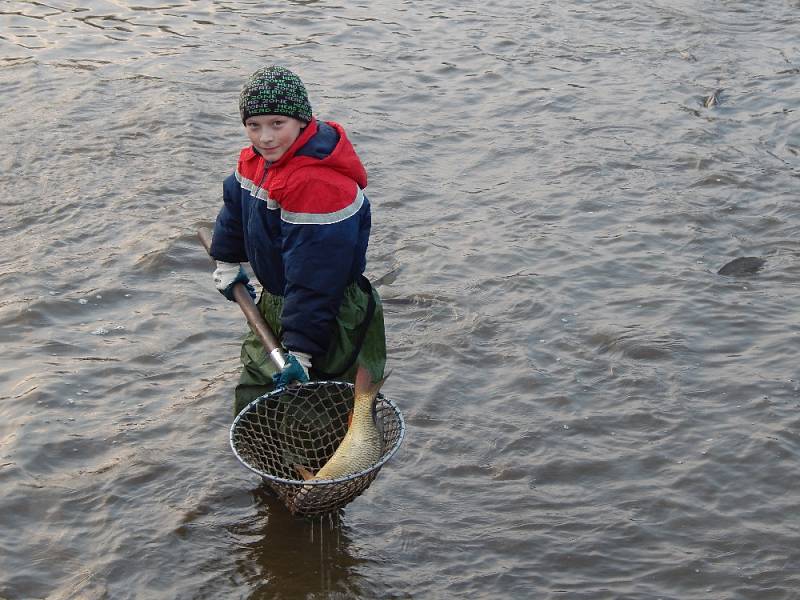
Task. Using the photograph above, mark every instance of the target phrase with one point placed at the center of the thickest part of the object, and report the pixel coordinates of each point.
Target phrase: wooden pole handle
(257, 323)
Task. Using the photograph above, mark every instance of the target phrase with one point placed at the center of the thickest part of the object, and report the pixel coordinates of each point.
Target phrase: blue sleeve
(318, 260)
(227, 243)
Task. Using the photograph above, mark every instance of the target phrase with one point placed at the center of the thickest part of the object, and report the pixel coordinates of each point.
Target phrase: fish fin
(305, 473)
(378, 422)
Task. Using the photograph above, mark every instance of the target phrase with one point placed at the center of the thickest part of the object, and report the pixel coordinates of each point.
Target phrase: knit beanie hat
(274, 91)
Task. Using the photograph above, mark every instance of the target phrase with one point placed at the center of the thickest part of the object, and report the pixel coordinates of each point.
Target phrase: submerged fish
(712, 100)
(362, 445)
(744, 265)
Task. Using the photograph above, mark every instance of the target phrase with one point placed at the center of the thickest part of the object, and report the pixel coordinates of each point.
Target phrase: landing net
(304, 425)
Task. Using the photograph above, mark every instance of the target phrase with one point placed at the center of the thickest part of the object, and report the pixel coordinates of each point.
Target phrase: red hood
(341, 158)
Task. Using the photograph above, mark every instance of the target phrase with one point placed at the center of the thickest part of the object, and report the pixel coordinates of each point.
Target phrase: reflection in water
(294, 557)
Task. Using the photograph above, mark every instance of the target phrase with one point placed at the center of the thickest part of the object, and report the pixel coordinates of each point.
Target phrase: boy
(296, 211)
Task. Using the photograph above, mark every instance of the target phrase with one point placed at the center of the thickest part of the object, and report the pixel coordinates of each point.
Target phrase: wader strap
(366, 287)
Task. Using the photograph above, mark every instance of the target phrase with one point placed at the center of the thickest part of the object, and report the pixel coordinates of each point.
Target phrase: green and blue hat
(274, 90)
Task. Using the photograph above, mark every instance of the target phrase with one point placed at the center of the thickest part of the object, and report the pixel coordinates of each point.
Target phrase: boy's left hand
(296, 369)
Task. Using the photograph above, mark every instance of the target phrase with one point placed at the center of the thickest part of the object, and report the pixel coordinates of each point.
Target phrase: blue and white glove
(296, 369)
(228, 274)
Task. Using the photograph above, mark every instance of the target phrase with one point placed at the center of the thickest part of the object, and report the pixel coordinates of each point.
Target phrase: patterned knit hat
(274, 91)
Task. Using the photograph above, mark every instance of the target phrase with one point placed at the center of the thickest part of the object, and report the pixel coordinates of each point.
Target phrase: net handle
(257, 323)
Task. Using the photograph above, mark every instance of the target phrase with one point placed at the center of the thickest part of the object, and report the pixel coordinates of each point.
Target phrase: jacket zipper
(263, 178)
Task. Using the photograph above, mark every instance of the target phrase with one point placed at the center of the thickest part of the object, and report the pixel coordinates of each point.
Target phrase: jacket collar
(307, 133)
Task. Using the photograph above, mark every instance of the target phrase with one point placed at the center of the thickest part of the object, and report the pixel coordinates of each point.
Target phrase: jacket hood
(322, 143)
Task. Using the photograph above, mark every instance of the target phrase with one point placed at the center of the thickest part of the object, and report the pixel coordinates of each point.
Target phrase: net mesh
(303, 426)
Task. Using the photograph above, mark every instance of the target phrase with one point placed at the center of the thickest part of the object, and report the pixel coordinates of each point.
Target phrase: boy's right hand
(227, 275)
(296, 369)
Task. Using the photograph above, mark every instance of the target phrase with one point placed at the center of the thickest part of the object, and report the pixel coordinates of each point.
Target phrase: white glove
(225, 274)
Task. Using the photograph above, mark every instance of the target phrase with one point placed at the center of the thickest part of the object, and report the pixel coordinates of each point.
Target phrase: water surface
(592, 411)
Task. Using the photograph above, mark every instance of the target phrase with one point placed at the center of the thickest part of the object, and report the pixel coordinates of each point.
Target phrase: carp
(362, 445)
(742, 266)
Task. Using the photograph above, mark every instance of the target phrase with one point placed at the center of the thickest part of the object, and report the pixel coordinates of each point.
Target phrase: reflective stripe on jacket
(303, 223)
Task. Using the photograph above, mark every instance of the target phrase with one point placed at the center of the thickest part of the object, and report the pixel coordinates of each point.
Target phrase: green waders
(358, 338)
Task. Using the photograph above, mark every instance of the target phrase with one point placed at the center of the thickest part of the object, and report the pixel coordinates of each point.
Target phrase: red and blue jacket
(303, 223)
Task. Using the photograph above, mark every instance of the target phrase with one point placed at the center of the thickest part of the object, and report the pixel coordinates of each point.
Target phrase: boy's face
(272, 135)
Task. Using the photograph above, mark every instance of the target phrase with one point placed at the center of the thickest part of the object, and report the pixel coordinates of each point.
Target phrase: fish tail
(364, 385)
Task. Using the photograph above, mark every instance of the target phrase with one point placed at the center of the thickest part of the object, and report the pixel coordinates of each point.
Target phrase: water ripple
(593, 411)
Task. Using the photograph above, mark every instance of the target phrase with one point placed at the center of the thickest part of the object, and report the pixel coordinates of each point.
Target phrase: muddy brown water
(592, 410)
